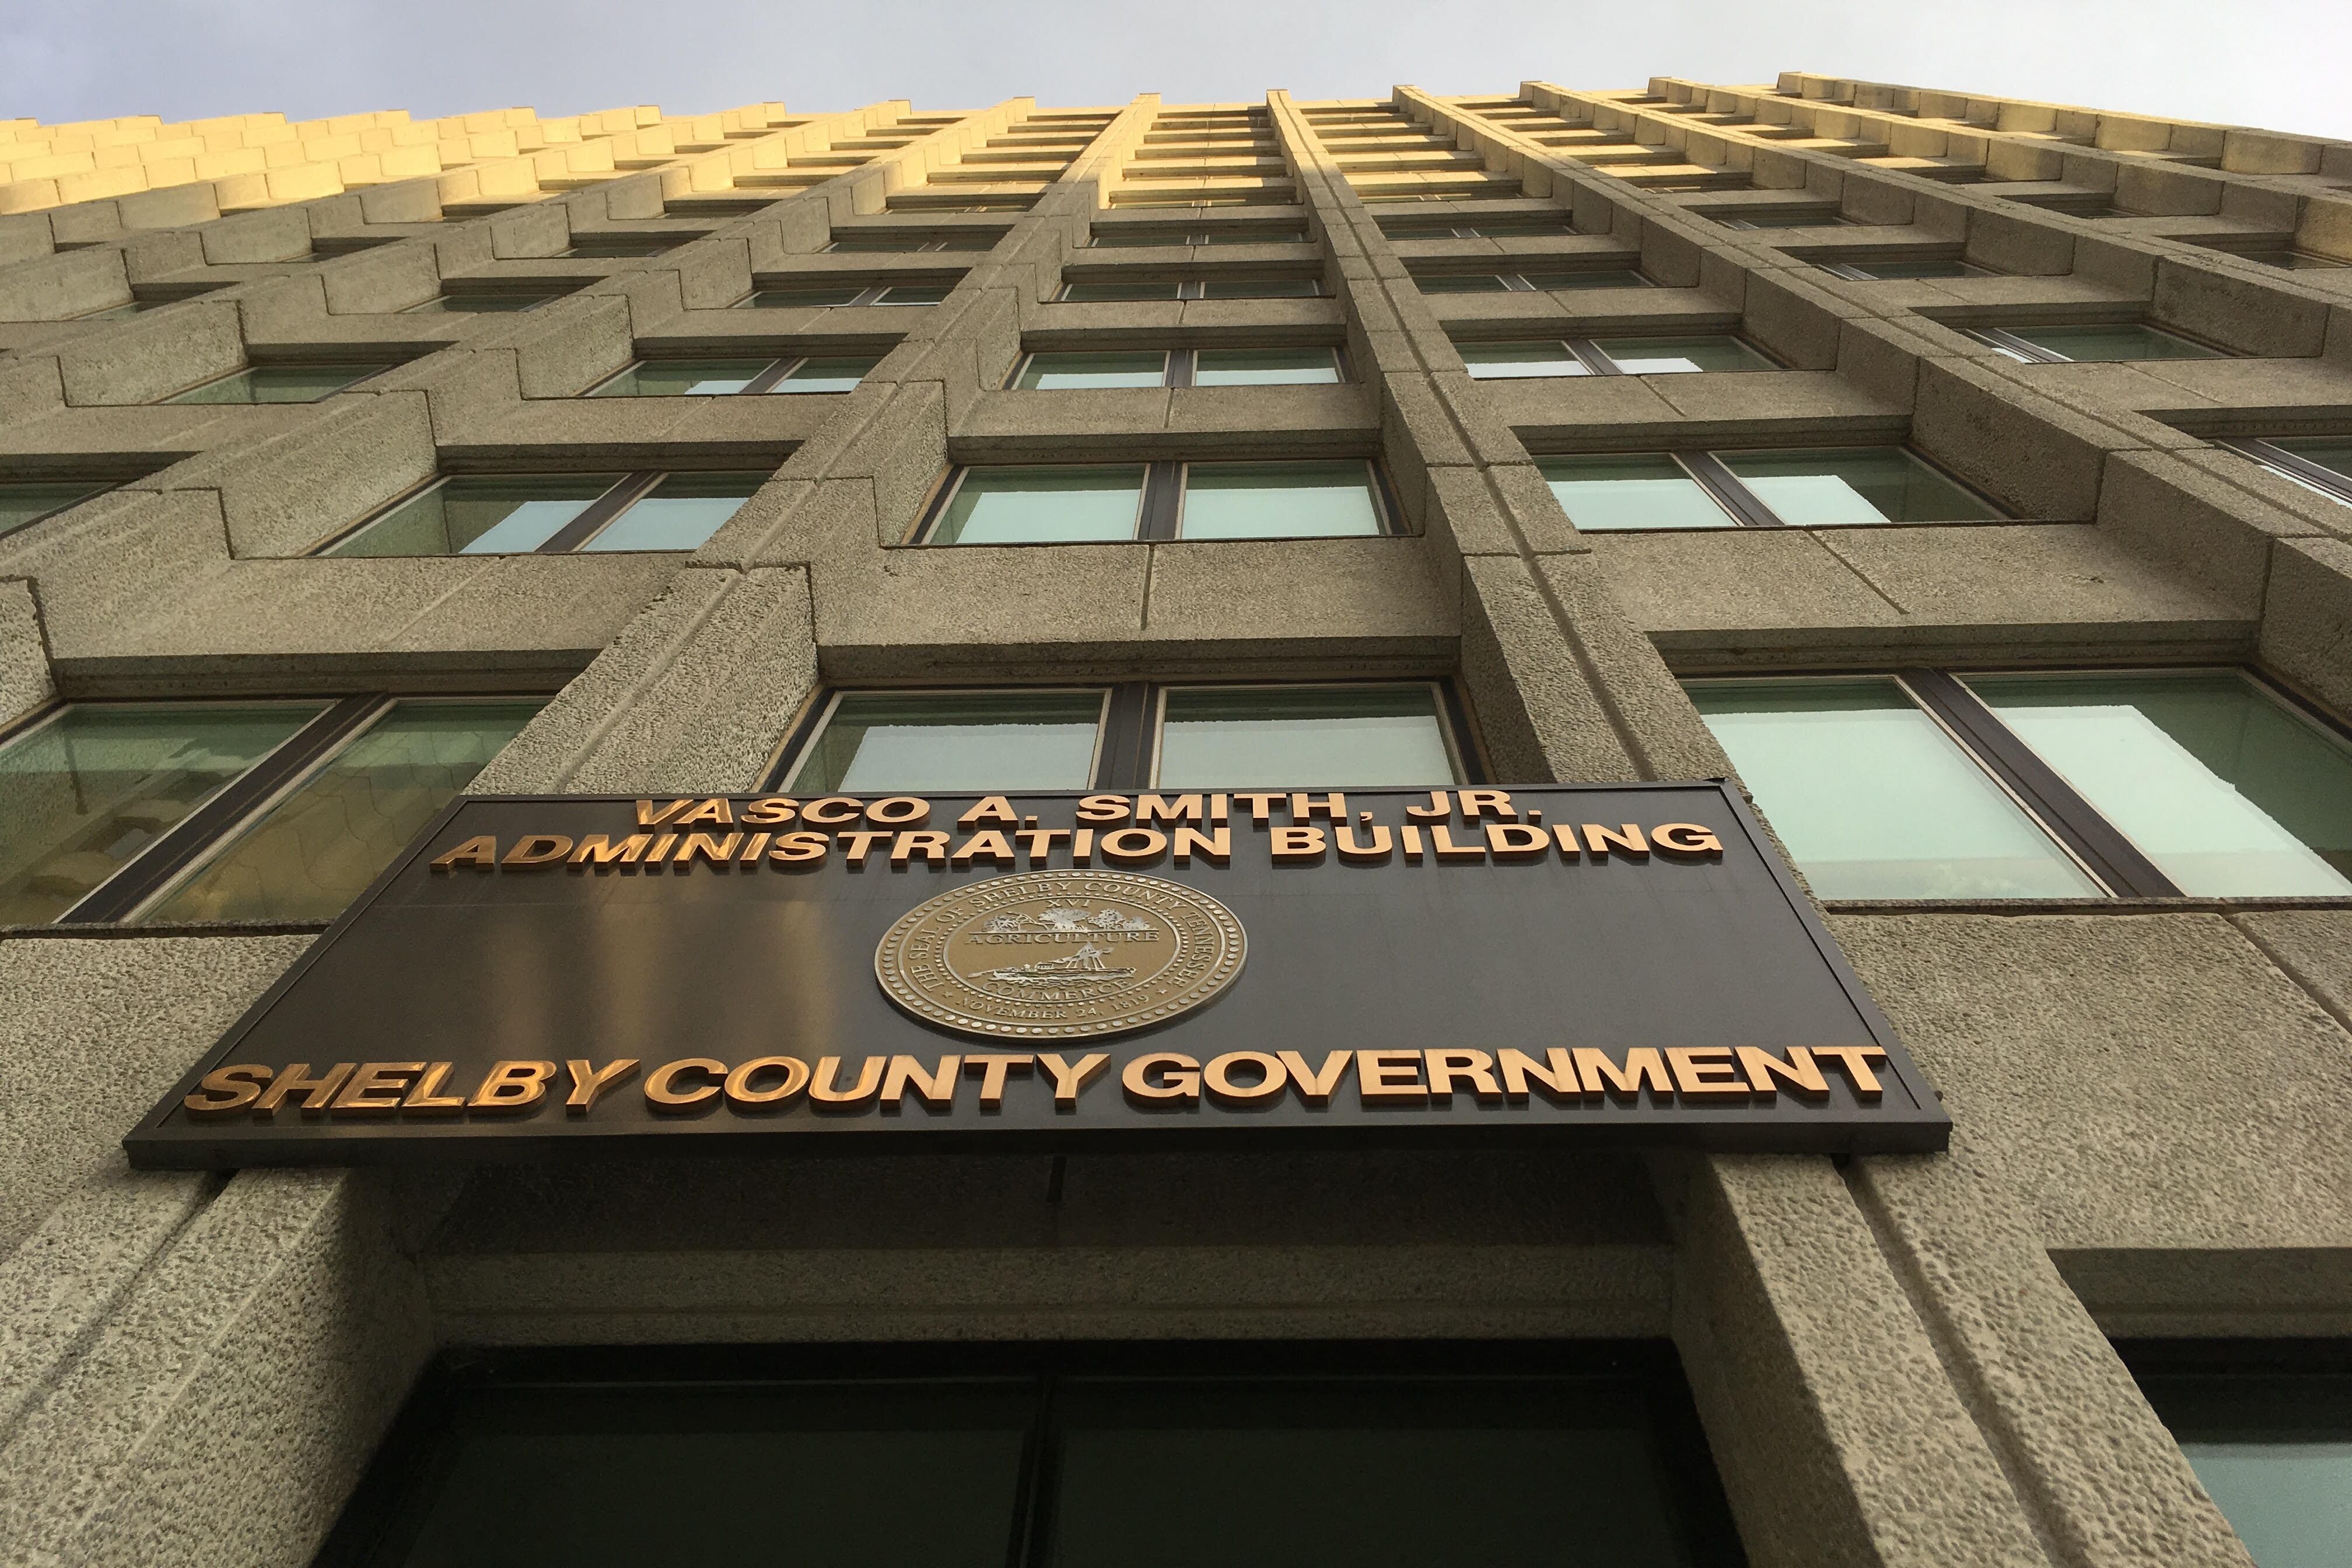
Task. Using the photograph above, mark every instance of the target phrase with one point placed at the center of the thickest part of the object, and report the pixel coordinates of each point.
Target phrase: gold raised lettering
(1767, 1073)
(589, 1081)
(481, 854)
(666, 1095)
(744, 1094)
(375, 1089)
(1067, 1079)
(226, 1089)
(1706, 1072)
(1218, 1080)
(1390, 1076)
(511, 1087)
(1161, 1075)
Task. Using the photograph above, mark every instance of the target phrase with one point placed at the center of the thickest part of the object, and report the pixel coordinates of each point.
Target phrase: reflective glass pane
(1811, 217)
(1853, 485)
(83, 794)
(914, 742)
(1461, 283)
(2228, 790)
(2274, 1451)
(1277, 501)
(915, 294)
(482, 303)
(1893, 269)
(277, 383)
(1875, 800)
(1379, 1456)
(319, 848)
(1265, 367)
(1062, 371)
(538, 1475)
(1516, 228)
(605, 248)
(835, 373)
(968, 242)
(680, 513)
(1220, 234)
(1505, 362)
(2125, 340)
(2331, 452)
(25, 501)
(1303, 737)
(783, 299)
(1260, 289)
(486, 516)
(683, 378)
(1102, 293)
(1591, 277)
(879, 244)
(1130, 238)
(1674, 356)
(1649, 490)
(1056, 505)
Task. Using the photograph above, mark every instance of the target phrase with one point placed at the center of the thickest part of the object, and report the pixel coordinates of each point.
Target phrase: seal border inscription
(1219, 965)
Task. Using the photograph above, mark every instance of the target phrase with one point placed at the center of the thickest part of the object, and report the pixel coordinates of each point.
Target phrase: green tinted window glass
(835, 373)
(882, 742)
(1674, 356)
(915, 294)
(318, 848)
(27, 500)
(491, 515)
(1102, 293)
(1303, 737)
(114, 312)
(1277, 501)
(1461, 283)
(683, 378)
(85, 793)
(2274, 1451)
(1510, 362)
(479, 302)
(2331, 452)
(785, 299)
(1260, 289)
(1649, 490)
(1853, 485)
(1889, 270)
(609, 248)
(2295, 260)
(1265, 367)
(1063, 372)
(1591, 277)
(1874, 800)
(1219, 234)
(1376, 1455)
(680, 513)
(279, 383)
(2126, 340)
(1809, 217)
(1057, 505)
(968, 242)
(878, 244)
(2229, 792)
(1132, 239)
(1516, 228)
(533, 1475)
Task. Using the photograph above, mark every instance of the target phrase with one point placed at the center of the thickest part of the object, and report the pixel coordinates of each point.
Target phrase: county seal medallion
(1059, 955)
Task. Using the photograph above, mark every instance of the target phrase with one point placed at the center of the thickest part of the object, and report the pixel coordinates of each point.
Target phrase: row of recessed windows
(1522, 359)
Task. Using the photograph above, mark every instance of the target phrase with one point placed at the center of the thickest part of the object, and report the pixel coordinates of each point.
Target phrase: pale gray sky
(2276, 63)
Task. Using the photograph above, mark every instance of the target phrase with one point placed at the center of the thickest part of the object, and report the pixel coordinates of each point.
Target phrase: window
(1062, 371)
(1824, 488)
(620, 245)
(279, 383)
(520, 514)
(2323, 463)
(1131, 236)
(1528, 283)
(1777, 217)
(2268, 1429)
(1102, 503)
(908, 244)
(2121, 341)
(1887, 271)
(2144, 783)
(215, 811)
(1060, 1458)
(721, 377)
(484, 301)
(27, 501)
(1609, 356)
(1479, 229)
(1334, 736)
(1103, 291)
(835, 294)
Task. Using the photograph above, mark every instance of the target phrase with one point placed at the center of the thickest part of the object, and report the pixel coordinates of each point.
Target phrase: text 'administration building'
(987, 837)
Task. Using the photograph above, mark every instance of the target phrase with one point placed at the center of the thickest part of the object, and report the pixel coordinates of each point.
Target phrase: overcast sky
(2276, 63)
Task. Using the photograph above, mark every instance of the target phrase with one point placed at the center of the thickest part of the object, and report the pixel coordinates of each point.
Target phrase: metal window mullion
(1121, 763)
(625, 492)
(2074, 822)
(1181, 368)
(1999, 338)
(1515, 283)
(1163, 502)
(186, 841)
(870, 296)
(1192, 289)
(769, 379)
(2302, 469)
(1588, 353)
(1728, 492)
(1846, 270)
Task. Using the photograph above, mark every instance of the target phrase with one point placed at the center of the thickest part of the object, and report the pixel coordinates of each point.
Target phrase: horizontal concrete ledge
(423, 671)
(1725, 651)
(2221, 1292)
(978, 663)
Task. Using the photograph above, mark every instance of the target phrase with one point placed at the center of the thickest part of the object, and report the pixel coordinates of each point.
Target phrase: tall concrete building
(382, 502)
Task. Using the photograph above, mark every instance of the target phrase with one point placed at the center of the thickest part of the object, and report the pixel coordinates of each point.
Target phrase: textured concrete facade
(1897, 1361)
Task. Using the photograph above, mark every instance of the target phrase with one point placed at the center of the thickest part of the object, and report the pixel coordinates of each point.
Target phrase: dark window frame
(2303, 470)
(868, 293)
(1518, 282)
(1851, 269)
(1179, 366)
(2034, 353)
(97, 488)
(1588, 352)
(1127, 735)
(1710, 473)
(1187, 289)
(1202, 237)
(933, 243)
(373, 368)
(1162, 505)
(626, 489)
(767, 380)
